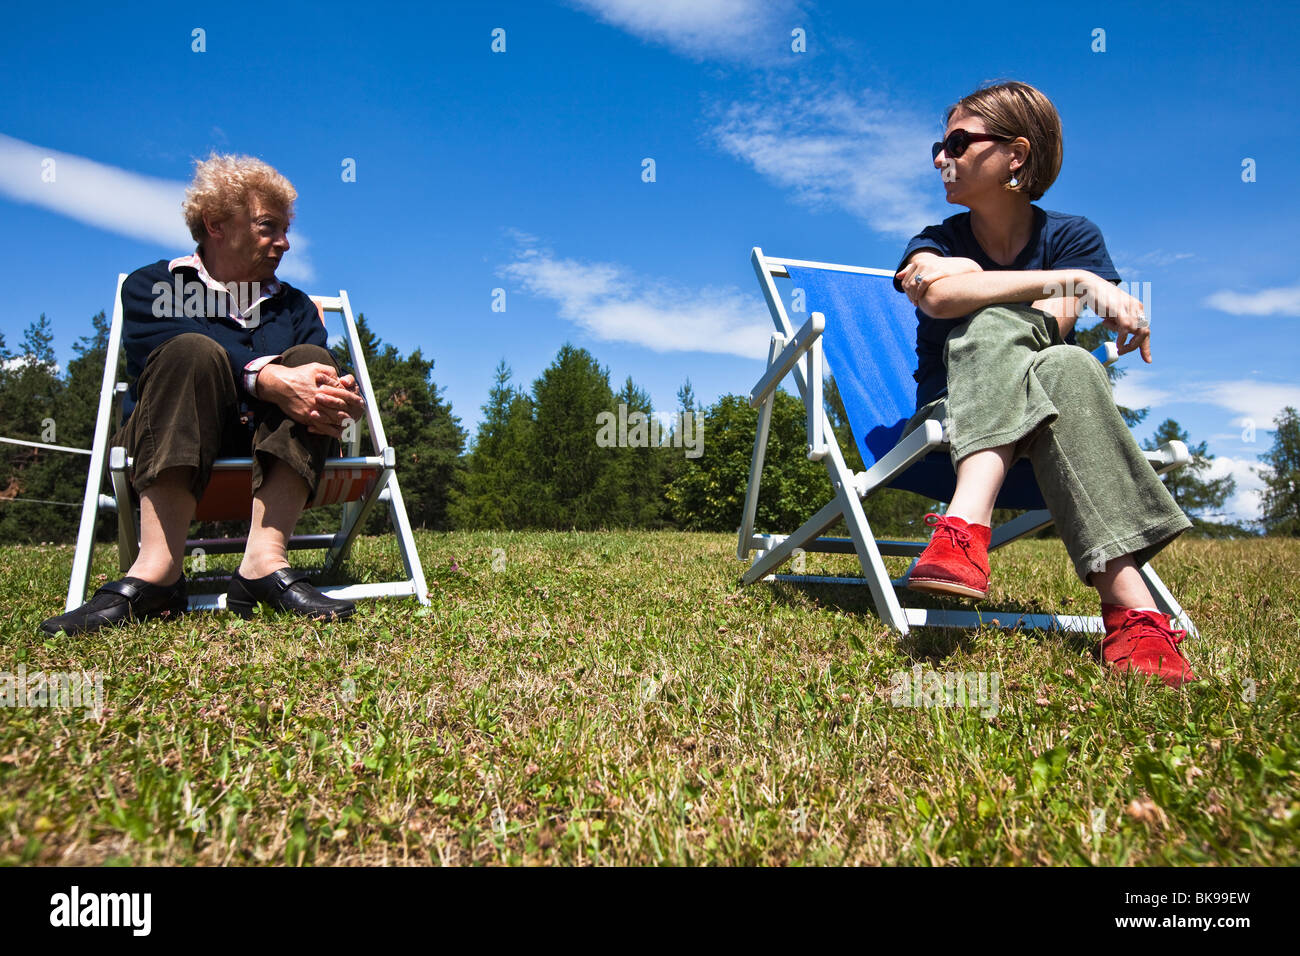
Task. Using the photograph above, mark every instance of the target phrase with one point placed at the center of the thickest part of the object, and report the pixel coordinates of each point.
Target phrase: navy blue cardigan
(288, 318)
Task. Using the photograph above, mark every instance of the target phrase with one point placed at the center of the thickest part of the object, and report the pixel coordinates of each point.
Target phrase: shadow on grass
(926, 643)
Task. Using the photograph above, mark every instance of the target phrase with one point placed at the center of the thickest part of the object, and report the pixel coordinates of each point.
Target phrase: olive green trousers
(1013, 381)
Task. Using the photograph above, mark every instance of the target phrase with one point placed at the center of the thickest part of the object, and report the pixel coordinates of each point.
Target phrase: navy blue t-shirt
(1056, 241)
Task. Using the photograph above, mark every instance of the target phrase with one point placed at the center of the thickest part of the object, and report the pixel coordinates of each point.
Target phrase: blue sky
(522, 170)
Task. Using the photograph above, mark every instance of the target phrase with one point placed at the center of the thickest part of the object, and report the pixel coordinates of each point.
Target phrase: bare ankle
(261, 566)
(162, 575)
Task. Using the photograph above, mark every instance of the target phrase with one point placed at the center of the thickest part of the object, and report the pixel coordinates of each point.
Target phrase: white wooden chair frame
(800, 352)
(384, 488)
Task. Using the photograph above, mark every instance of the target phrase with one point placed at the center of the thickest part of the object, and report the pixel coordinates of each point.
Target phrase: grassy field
(619, 699)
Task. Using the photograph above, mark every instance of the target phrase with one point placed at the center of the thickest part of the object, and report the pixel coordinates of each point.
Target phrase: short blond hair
(1014, 109)
(223, 185)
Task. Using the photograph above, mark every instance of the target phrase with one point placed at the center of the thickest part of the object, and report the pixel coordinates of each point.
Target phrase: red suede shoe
(956, 562)
(1143, 641)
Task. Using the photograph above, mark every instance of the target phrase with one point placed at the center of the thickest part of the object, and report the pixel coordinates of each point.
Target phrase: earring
(1012, 183)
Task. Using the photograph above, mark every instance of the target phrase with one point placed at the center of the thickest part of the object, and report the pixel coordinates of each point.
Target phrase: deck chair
(865, 332)
(357, 481)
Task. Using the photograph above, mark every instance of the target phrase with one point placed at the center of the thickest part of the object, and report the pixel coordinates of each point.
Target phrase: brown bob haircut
(1015, 109)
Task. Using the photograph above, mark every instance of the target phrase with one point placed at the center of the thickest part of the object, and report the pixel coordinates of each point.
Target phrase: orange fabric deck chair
(357, 481)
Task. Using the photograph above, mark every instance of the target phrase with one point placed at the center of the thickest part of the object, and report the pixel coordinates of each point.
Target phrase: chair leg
(902, 582)
(354, 516)
(128, 532)
(406, 541)
(873, 563)
(1019, 526)
(79, 581)
(1166, 601)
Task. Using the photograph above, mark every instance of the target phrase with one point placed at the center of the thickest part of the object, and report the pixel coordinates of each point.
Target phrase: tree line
(567, 452)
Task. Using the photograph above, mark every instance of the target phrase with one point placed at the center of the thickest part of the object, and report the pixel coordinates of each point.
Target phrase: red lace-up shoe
(956, 561)
(1143, 641)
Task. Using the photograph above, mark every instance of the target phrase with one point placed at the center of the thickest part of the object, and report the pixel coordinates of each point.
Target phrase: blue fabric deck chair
(865, 333)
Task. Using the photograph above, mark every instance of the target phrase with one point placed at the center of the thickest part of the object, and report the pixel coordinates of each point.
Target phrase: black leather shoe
(117, 602)
(284, 590)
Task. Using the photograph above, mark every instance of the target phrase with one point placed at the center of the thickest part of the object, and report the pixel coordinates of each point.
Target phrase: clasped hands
(313, 395)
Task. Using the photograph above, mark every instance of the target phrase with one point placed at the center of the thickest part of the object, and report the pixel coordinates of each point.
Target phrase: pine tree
(1199, 497)
(1280, 500)
(709, 495)
(31, 393)
(498, 490)
(631, 489)
(567, 399)
(687, 420)
(418, 423)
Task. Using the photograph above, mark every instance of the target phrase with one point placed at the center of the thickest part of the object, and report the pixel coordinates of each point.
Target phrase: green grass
(619, 699)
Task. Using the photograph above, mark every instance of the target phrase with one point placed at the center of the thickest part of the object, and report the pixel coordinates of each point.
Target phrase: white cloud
(616, 305)
(702, 28)
(1284, 300)
(1161, 258)
(1244, 505)
(296, 266)
(835, 150)
(1253, 401)
(19, 362)
(1250, 401)
(1131, 267)
(1131, 392)
(109, 198)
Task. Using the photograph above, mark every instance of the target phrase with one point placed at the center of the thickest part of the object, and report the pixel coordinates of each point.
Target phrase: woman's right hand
(924, 268)
(1120, 312)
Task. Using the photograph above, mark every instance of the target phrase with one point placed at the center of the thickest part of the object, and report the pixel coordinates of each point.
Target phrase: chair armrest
(794, 350)
(119, 399)
(1169, 456)
(1107, 353)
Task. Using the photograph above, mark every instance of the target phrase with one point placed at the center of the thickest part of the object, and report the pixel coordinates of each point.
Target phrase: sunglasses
(958, 141)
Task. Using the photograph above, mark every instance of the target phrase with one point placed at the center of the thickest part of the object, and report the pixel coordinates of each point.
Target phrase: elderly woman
(998, 290)
(224, 359)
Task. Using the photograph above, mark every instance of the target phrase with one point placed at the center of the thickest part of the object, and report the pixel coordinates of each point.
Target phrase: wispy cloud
(615, 304)
(1244, 505)
(19, 362)
(1251, 401)
(1284, 300)
(1132, 267)
(732, 29)
(1133, 393)
(110, 198)
(1255, 402)
(837, 150)
(830, 147)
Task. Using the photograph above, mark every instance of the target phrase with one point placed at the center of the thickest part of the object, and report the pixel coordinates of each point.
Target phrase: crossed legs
(979, 478)
(1015, 389)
